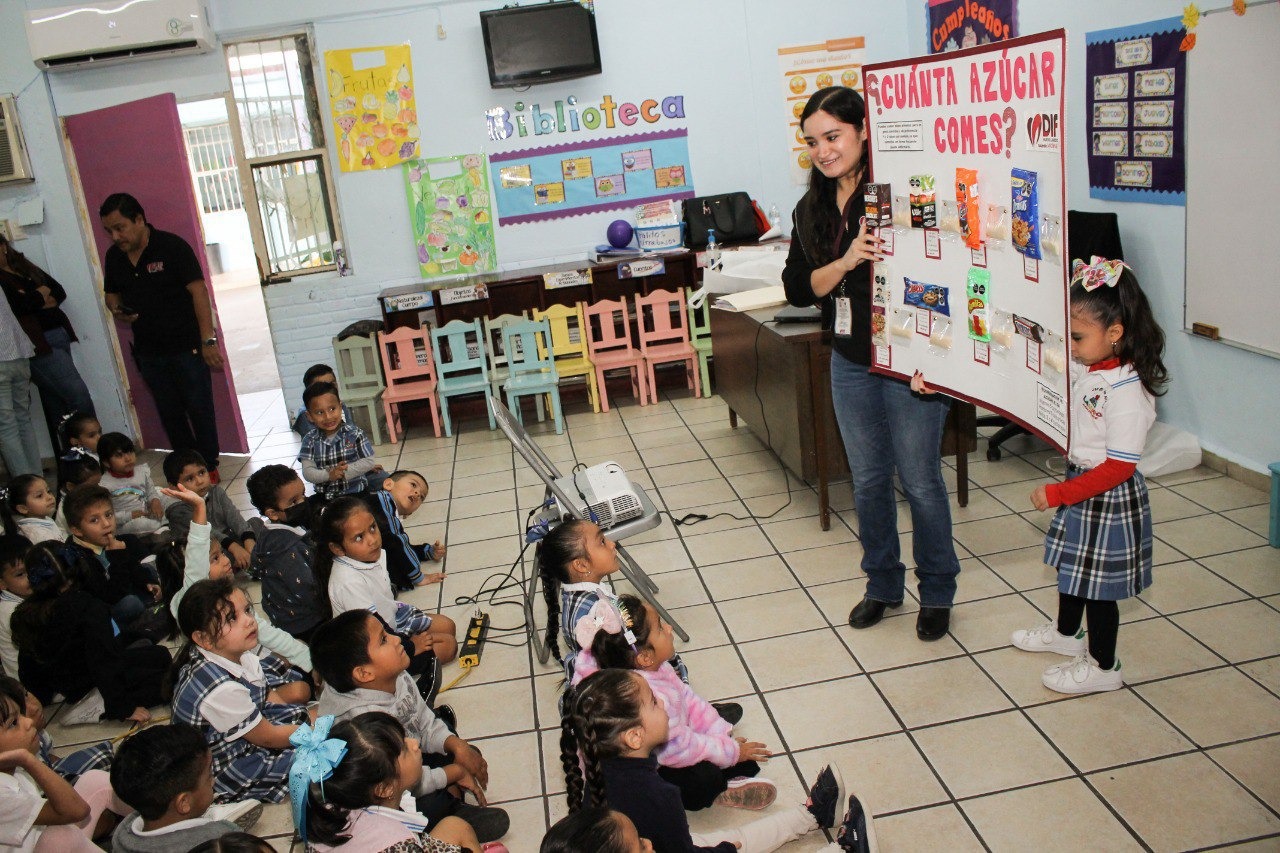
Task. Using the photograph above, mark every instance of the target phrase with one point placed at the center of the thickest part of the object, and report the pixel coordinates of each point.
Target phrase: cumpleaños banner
(955, 24)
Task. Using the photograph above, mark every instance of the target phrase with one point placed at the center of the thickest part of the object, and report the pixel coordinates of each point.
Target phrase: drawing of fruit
(442, 203)
(480, 199)
(387, 147)
(391, 98)
(406, 94)
(344, 148)
(462, 201)
(364, 140)
(414, 131)
(346, 122)
(336, 85)
(468, 257)
(369, 118)
(367, 160)
(415, 174)
(471, 161)
(370, 101)
(423, 256)
(407, 149)
(345, 105)
(407, 116)
(403, 74)
(380, 130)
(389, 113)
(437, 240)
(482, 217)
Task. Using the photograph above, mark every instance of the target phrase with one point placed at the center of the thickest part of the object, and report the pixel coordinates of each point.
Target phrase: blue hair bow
(314, 758)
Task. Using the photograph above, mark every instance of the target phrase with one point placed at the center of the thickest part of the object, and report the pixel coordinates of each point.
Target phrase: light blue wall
(719, 54)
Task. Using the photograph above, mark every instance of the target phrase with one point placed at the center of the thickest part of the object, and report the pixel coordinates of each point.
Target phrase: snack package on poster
(924, 202)
(997, 225)
(879, 327)
(967, 206)
(879, 286)
(1028, 328)
(901, 214)
(879, 206)
(978, 293)
(931, 296)
(1002, 330)
(949, 221)
(1051, 238)
(903, 325)
(940, 337)
(1026, 212)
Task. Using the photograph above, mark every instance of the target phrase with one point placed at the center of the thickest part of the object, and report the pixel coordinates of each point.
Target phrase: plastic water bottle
(713, 250)
(340, 258)
(775, 219)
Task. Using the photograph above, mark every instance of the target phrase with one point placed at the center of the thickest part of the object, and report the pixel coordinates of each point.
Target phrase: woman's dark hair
(613, 651)
(603, 706)
(125, 204)
(339, 646)
(329, 532)
(206, 607)
(73, 426)
(560, 547)
(79, 501)
(819, 217)
(155, 765)
(1142, 343)
(234, 842)
(588, 830)
(15, 496)
(48, 571)
(113, 443)
(374, 742)
(76, 467)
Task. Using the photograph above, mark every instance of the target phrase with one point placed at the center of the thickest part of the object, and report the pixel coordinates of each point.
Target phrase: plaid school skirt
(1101, 547)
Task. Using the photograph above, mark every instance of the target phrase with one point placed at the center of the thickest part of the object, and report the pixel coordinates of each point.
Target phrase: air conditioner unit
(106, 32)
(14, 166)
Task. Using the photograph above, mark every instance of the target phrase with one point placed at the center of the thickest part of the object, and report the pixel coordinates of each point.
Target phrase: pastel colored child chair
(608, 327)
(496, 350)
(700, 337)
(459, 350)
(569, 345)
(663, 321)
(532, 368)
(410, 368)
(360, 382)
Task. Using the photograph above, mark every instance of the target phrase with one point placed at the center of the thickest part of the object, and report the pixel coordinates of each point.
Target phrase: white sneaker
(1082, 675)
(88, 710)
(1046, 638)
(243, 814)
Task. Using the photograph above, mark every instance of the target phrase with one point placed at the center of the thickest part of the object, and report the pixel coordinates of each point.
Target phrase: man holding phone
(153, 281)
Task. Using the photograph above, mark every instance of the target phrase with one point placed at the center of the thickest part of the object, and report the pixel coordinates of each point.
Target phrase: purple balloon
(619, 233)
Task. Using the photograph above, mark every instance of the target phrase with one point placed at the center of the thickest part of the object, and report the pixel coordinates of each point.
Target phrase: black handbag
(731, 215)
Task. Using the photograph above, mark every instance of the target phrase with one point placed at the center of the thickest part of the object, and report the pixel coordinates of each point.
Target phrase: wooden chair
(410, 368)
(608, 327)
(569, 345)
(700, 337)
(359, 370)
(496, 350)
(459, 351)
(532, 368)
(663, 321)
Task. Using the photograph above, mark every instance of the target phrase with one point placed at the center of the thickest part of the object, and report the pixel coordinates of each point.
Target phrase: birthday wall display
(371, 99)
(1135, 85)
(960, 24)
(805, 69)
(450, 208)
(969, 195)
(576, 178)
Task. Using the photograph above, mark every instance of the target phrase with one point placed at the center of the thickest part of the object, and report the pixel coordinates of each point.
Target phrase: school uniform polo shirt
(156, 288)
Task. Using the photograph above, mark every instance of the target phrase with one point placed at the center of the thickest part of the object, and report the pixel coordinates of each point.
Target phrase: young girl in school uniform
(1100, 538)
(607, 745)
(29, 507)
(701, 756)
(350, 784)
(573, 559)
(246, 706)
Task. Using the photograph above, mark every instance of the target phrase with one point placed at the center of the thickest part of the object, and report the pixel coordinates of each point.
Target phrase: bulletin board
(973, 293)
(449, 209)
(575, 178)
(371, 100)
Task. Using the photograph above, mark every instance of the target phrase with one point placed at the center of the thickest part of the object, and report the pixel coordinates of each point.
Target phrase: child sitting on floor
(401, 495)
(284, 555)
(351, 572)
(241, 703)
(76, 469)
(133, 495)
(165, 774)
(82, 430)
(701, 756)
(187, 467)
(28, 509)
(317, 373)
(109, 566)
(365, 668)
(71, 766)
(336, 456)
(14, 588)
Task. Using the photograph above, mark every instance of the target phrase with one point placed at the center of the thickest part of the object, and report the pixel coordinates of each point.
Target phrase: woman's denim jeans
(886, 427)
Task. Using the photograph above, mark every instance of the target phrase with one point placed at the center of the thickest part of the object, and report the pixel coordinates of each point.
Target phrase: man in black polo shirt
(153, 281)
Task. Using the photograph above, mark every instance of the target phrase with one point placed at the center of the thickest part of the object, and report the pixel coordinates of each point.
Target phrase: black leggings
(1103, 619)
(701, 783)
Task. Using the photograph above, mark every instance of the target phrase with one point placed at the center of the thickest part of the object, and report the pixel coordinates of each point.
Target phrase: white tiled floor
(955, 744)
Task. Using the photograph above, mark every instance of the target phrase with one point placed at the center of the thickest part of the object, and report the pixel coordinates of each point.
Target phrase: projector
(603, 494)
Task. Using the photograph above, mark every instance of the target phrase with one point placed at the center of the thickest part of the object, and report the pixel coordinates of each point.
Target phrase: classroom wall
(718, 54)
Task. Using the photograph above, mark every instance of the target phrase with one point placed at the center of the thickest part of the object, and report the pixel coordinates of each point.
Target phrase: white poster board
(992, 109)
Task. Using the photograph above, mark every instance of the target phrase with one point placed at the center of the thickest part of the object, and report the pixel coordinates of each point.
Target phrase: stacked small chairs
(410, 369)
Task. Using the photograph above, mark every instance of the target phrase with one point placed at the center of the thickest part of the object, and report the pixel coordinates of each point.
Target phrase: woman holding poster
(884, 425)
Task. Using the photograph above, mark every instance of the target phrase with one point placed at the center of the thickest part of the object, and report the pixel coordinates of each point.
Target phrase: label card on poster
(981, 352)
(932, 244)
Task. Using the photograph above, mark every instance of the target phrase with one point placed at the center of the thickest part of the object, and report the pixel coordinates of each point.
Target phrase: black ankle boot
(869, 612)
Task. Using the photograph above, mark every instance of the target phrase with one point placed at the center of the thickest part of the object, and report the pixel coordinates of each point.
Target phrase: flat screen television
(540, 43)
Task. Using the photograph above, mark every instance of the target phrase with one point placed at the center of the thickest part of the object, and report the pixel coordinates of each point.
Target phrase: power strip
(473, 642)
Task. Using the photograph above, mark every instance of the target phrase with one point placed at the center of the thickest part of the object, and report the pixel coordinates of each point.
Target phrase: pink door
(138, 148)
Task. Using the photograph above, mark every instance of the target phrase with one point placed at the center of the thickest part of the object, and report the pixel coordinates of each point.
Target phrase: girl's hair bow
(603, 616)
(314, 758)
(1097, 272)
(76, 452)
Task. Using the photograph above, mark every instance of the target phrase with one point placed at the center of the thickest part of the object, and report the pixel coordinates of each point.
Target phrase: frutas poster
(371, 99)
(451, 211)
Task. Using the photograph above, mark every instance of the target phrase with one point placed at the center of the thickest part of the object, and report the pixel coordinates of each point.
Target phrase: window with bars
(213, 165)
(276, 122)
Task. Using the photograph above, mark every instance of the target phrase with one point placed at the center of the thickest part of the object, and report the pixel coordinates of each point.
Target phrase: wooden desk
(787, 404)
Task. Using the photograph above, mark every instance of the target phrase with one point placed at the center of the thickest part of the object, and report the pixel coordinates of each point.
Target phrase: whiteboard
(1233, 177)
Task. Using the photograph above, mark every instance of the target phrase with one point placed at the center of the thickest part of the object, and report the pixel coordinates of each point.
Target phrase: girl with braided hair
(606, 748)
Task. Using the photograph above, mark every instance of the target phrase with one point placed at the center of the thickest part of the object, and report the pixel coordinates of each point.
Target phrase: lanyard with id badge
(843, 327)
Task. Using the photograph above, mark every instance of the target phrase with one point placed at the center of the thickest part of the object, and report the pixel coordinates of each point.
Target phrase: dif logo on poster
(1044, 132)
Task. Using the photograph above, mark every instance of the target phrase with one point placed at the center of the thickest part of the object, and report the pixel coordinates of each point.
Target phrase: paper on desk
(745, 270)
(750, 300)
